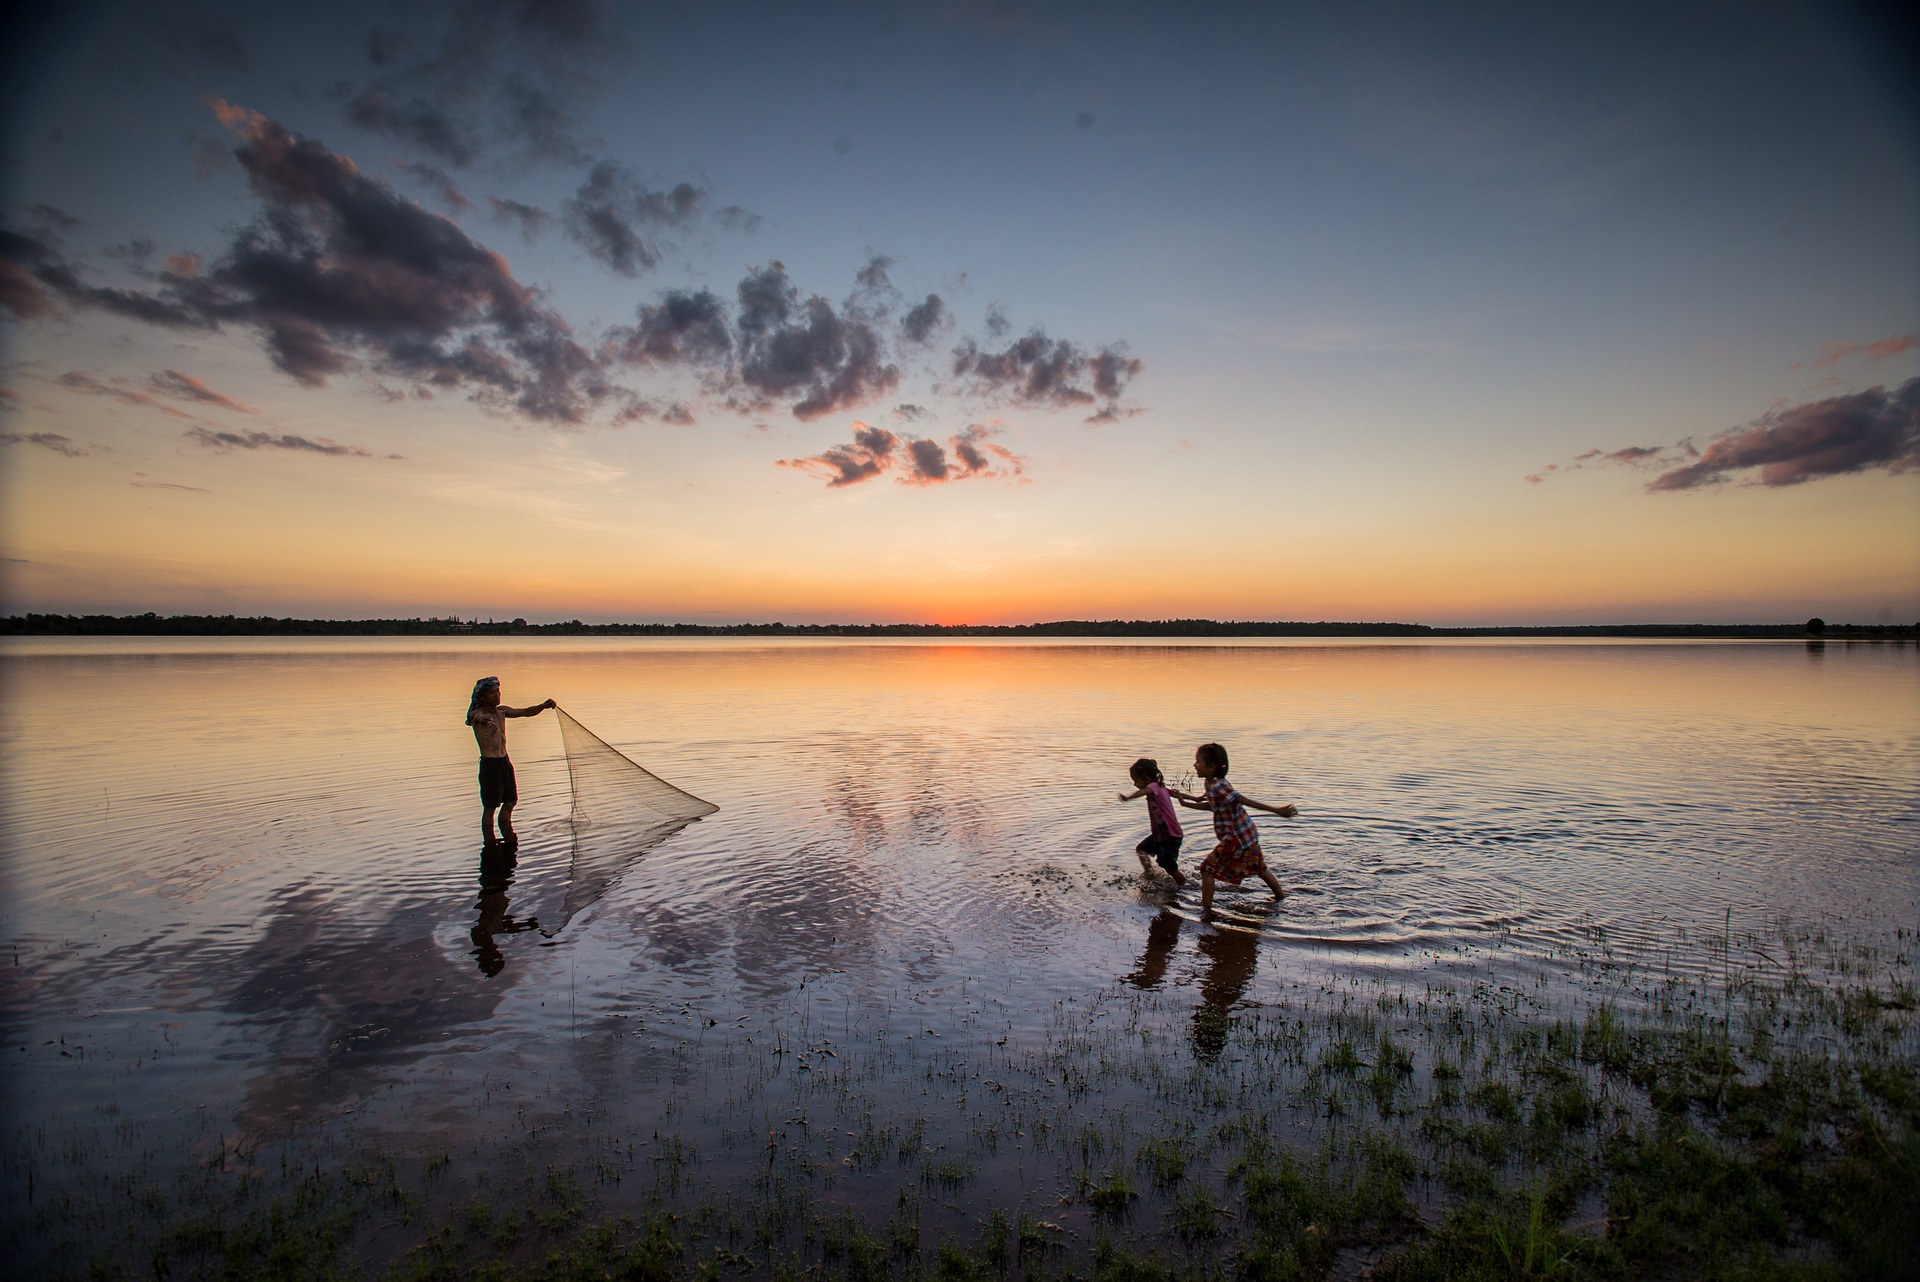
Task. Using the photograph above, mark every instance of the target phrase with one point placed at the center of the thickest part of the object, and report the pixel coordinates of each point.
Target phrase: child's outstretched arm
(1135, 795)
(1191, 802)
(1285, 812)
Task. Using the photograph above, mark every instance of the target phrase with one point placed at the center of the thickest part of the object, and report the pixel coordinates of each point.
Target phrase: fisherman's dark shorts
(496, 783)
(1164, 850)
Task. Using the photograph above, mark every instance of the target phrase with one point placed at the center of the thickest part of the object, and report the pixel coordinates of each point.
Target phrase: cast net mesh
(621, 810)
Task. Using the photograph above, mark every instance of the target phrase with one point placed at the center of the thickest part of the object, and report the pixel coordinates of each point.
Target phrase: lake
(246, 903)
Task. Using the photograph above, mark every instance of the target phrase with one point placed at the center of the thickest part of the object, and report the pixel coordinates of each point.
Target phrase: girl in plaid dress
(1237, 852)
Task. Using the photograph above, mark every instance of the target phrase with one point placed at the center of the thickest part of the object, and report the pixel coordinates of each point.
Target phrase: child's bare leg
(1272, 885)
(1206, 894)
(1140, 852)
(1179, 878)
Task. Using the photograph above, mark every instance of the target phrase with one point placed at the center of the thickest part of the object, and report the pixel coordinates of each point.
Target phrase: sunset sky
(961, 312)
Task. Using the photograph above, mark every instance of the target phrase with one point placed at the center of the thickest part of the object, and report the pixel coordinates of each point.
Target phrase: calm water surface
(243, 880)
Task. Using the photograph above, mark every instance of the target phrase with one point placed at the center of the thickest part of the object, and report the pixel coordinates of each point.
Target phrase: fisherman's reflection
(1232, 957)
(497, 863)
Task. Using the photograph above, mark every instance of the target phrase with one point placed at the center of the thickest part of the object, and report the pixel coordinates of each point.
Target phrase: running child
(1237, 852)
(1163, 841)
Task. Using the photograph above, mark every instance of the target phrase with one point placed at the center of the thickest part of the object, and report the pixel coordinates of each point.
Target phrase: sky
(972, 311)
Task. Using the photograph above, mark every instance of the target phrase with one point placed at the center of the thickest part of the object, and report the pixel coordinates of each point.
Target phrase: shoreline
(34, 624)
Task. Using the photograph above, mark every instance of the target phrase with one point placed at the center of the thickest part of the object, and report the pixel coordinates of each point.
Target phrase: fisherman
(497, 791)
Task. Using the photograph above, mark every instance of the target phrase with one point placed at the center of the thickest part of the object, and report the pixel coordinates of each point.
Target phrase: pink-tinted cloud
(1874, 430)
(187, 388)
(75, 381)
(167, 485)
(1877, 350)
(868, 455)
(920, 460)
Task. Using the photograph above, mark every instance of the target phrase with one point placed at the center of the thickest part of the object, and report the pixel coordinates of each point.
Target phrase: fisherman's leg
(486, 825)
(507, 834)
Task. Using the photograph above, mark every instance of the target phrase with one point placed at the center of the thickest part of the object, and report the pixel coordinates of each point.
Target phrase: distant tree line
(150, 624)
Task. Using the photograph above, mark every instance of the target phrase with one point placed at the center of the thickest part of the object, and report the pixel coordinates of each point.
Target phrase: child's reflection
(497, 863)
(1232, 956)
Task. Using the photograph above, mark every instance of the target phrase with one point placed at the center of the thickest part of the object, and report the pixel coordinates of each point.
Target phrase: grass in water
(1724, 1121)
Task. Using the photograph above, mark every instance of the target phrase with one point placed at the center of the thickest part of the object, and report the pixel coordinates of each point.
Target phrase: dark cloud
(439, 182)
(734, 218)
(803, 351)
(920, 460)
(686, 327)
(925, 320)
(1877, 350)
(1874, 430)
(35, 277)
(506, 76)
(527, 218)
(45, 440)
(997, 323)
(1083, 119)
(187, 388)
(865, 457)
(912, 413)
(256, 440)
(1047, 373)
(340, 274)
(415, 120)
(778, 345)
(613, 213)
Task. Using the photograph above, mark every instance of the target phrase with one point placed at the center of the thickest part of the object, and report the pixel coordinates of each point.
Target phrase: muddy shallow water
(245, 895)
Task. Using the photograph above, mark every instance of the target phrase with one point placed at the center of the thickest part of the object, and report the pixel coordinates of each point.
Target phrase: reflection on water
(1231, 959)
(920, 837)
(497, 862)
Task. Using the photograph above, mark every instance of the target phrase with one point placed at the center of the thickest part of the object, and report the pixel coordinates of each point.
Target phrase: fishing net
(621, 810)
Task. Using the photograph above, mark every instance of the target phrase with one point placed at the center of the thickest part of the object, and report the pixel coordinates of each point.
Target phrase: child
(1163, 842)
(1238, 850)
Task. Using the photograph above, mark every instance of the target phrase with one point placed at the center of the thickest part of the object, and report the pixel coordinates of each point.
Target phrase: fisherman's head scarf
(473, 704)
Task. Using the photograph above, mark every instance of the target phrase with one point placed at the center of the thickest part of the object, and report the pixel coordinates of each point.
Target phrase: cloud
(686, 327)
(1048, 373)
(791, 347)
(256, 440)
(1874, 430)
(920, 460)
(911, 413)
(507, 76)
(776, 346)
(439, 182)
(925, 320)
(527, 218)
(1877, 350)
(1865, 431)
(341, 275)
(45, 440)
(87, 384)
(188, 388)
(868, 455)
(613, 211)
(167, 485)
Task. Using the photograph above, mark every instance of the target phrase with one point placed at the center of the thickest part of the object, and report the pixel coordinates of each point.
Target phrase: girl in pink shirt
(1163, 842)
